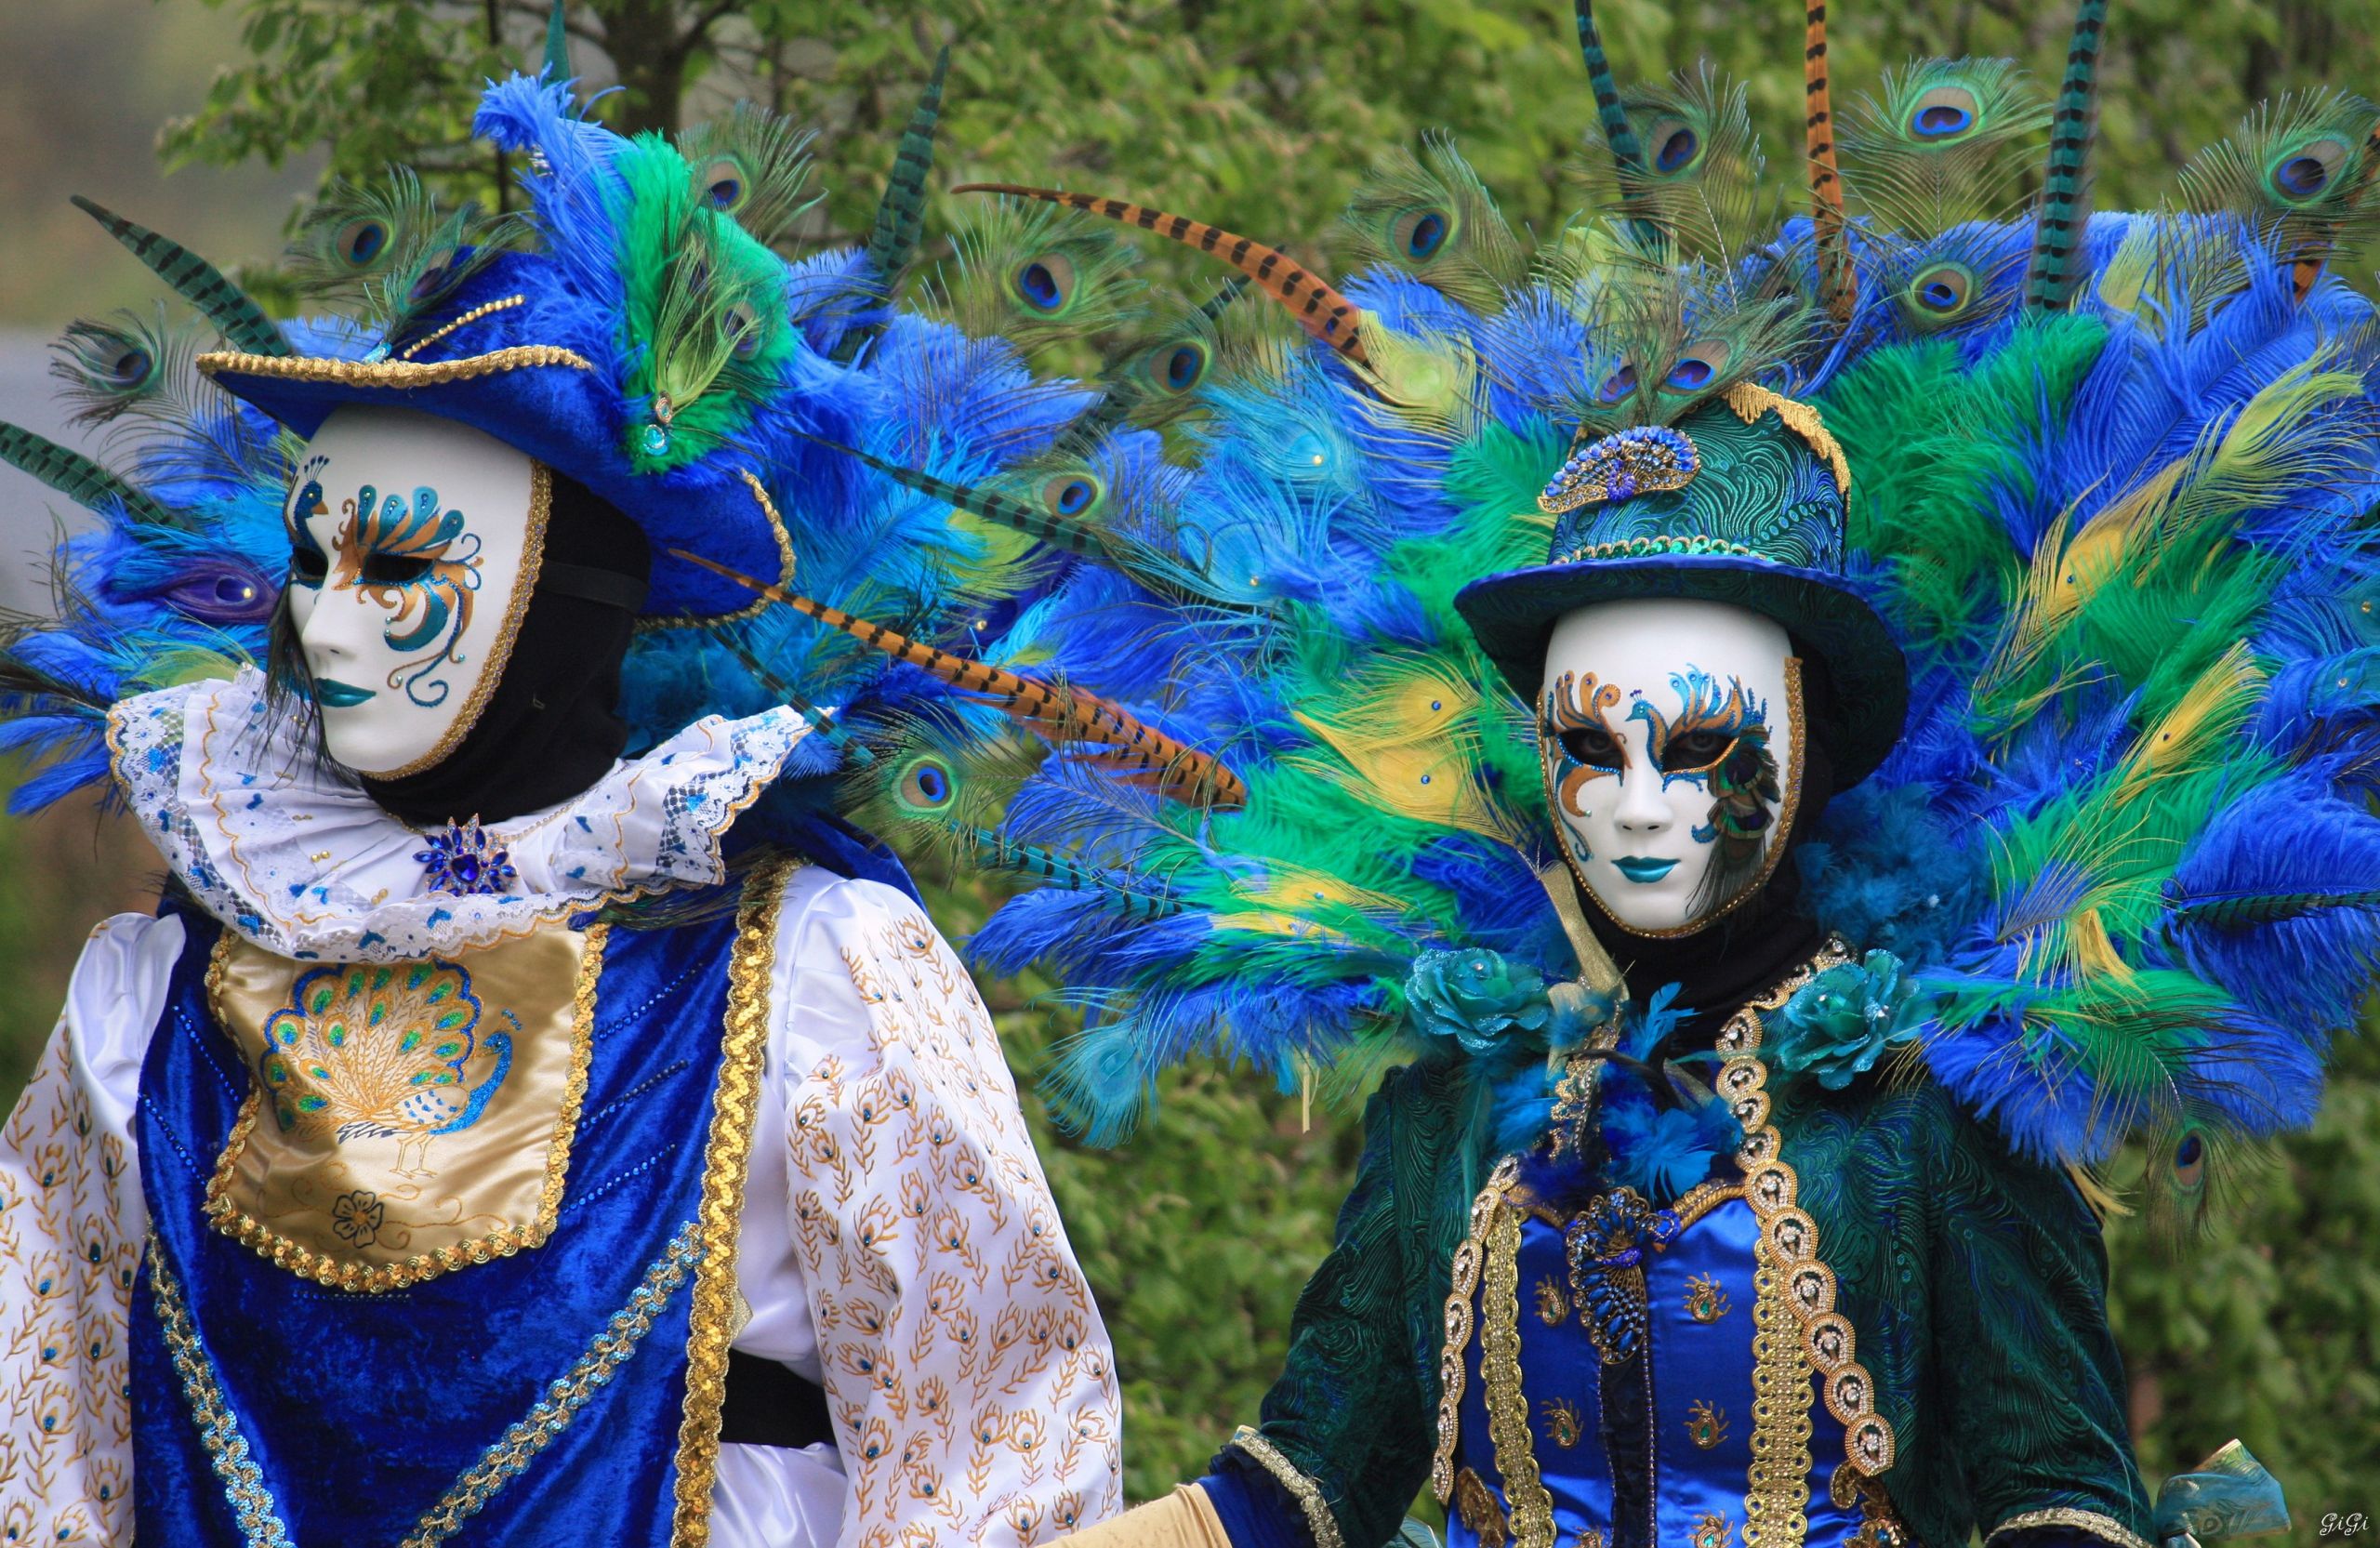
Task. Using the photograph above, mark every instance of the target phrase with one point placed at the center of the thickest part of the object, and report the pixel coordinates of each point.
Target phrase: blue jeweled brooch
(463, 860)
(1645, 460)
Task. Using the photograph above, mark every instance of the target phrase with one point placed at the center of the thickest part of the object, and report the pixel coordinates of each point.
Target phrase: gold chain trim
(1777, 1492)
(1532, 1507)
(1451, 1365)
(1880, 1522)
(218, 1429)
(786, 560)
(745, 1039)
(252, 1501)
(1788, 1237)
(322, 1267)
(1750, 401)
(2105, 1528)
(1318, 1519)
(516, 607)
(464, 321)
(391, 373)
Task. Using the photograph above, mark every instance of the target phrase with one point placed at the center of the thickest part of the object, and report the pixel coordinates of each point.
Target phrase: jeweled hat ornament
(1740, 500)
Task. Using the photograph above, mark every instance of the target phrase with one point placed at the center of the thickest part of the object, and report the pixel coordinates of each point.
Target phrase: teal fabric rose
(1842, 1021)
(1486, 1002)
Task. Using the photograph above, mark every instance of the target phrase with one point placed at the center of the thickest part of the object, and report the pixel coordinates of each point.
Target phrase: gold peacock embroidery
(408, 1118)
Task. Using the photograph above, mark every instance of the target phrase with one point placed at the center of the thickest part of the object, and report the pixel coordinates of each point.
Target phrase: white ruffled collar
(311, 868)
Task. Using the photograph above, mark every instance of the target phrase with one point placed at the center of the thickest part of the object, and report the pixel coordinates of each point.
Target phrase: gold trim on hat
(396, 374)
(1750, 401)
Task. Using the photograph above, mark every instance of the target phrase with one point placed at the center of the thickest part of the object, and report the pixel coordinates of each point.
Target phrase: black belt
(768, 1405)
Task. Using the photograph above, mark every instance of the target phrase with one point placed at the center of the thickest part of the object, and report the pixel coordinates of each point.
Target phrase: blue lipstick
(1635, 868)
(331, 694)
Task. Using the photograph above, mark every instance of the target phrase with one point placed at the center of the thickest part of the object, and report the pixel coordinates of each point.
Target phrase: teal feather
(557, 66)
(995, 851)
(77, 476)
(231, 310)
(900, 215)
(2066, 183)
(1619, 135)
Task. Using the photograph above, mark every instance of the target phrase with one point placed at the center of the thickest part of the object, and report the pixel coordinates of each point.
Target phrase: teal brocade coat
(1973, 1282)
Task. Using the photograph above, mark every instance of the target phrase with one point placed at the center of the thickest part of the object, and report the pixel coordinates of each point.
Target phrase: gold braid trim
(1530, 1506)
(464, 321)
(1318, 1519)
(516, 608)
(399, 374)
(1789, 1263)
(1452, 1364)
(2105, 1528)
(1751, 402)
(219, 1428)
(745, 1039)
(1776, 1491)
(324, 1269)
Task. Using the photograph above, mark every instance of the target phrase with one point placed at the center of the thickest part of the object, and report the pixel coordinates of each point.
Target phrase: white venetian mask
(415, 544)
(1671, 734)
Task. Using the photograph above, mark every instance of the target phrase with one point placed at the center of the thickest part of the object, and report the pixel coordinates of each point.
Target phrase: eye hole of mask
(306, 565)
(1593, 745)
(383, 569)
(1696, 751)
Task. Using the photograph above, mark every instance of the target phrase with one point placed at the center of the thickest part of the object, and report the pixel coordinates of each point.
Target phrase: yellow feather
(2214, 708)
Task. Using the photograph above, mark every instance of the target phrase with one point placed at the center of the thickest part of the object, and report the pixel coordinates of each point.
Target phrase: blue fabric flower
(1478, 998)
(1842, 1021)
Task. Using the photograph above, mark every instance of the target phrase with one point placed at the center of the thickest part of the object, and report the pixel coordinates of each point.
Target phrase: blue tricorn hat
(1740, 502)
(642, 348)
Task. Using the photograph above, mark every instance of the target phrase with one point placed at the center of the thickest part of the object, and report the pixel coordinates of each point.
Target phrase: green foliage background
(1260, 116)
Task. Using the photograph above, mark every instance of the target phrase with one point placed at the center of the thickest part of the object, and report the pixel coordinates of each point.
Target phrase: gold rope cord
(1451, 1356)
(728, 1157)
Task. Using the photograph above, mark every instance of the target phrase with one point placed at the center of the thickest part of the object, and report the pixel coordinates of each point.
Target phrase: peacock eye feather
(1943, 115)
(1074, 494)
(1046, 283)
(1676, 147)
(361, 243)
(723, 183)
(1419, 235)
(1177, 368)
(1617, 386)
(2305, 173)
(1940, 294)
(1698, 365)
(926, 785)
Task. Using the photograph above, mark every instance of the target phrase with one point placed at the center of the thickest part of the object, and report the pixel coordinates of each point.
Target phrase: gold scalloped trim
(324, 1269)
(395, 374)
(786, 560)
(1318, 1519)
(712, 1321)
(463, 322)
(1750, 401)
(2105, 1528)
(1788, 1237)
(499, 650)
(1464, 1279)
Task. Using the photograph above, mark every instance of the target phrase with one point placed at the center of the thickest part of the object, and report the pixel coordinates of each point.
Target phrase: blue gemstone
(654, 441)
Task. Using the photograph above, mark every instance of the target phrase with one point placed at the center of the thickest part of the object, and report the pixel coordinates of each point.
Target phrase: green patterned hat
(1741, 501)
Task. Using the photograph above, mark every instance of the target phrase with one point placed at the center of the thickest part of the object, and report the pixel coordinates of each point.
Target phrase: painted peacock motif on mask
(375, 1050)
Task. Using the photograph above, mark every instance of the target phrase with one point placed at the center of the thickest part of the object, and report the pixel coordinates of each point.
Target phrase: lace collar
(311, 868)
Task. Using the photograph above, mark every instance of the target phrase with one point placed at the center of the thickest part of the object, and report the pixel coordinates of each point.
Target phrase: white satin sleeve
(970, 1380)
(72, 1222)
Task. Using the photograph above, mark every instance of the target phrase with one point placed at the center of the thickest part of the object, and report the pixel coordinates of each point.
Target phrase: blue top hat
(1740, 502)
